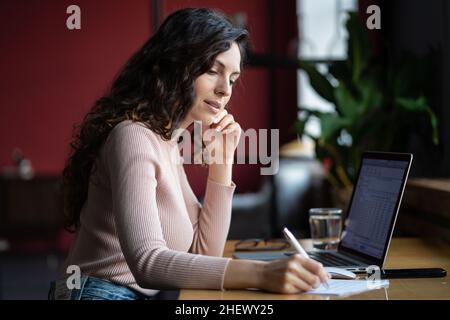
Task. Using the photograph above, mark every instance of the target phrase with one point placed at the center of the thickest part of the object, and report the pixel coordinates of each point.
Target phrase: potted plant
(380, 101)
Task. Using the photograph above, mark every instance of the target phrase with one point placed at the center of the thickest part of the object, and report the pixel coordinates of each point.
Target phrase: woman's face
(213, 89)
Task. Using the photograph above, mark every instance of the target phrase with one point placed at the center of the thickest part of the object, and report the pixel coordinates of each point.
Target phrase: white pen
(290, 237)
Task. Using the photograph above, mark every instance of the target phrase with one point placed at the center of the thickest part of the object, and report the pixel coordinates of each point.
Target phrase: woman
(139, 227)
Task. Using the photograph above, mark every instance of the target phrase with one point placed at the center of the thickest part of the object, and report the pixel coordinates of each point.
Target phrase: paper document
(348, 287)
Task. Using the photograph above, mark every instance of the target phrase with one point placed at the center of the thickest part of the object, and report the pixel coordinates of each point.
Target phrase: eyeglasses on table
(257, 244)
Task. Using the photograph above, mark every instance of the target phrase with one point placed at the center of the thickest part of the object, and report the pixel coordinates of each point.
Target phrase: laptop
(370, 217)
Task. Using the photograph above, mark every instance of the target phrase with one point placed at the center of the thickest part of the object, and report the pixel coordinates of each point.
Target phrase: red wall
(51, 76)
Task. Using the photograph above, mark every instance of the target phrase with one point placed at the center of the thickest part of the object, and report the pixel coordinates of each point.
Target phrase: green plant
(380, 101)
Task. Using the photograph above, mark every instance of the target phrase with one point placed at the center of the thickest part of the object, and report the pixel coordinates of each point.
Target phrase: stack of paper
(348, 287)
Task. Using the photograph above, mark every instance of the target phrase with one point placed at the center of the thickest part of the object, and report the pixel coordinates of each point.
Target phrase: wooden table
(403, 253)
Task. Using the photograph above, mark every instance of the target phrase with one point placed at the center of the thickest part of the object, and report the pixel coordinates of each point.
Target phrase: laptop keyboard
(331, 260)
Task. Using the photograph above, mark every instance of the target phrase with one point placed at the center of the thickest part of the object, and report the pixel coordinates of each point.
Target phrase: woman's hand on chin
(222, 137)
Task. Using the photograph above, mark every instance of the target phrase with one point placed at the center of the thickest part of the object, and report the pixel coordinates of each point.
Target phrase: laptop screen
(374, 204)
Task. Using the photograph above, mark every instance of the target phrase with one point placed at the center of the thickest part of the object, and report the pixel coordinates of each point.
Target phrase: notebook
(370, 217)
(348, 287)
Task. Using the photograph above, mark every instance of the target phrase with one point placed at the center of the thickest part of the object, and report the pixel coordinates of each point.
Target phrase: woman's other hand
(293, 275)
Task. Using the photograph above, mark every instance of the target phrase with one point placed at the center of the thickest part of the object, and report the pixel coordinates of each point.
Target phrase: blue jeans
(92, 288)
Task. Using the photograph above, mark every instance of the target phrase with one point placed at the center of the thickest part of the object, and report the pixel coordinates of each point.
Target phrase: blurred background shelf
(426, 209)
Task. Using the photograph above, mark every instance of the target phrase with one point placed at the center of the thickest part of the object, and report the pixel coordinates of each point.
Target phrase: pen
(290, 237)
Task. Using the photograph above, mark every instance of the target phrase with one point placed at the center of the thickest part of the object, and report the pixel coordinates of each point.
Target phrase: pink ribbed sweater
(142, 225)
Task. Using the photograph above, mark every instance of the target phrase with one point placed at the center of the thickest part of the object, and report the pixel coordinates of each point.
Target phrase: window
(322, 37)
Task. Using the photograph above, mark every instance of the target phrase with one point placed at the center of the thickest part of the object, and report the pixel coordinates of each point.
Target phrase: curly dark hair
(155, 87)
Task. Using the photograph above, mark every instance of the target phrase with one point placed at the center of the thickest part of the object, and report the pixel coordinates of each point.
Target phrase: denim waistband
(92, 288)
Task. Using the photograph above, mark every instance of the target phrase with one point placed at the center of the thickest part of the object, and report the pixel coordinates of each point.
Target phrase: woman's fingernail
(218, 128)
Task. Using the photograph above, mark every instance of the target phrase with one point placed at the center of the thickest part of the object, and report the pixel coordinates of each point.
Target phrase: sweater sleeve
(132, 161)
(211, 221)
